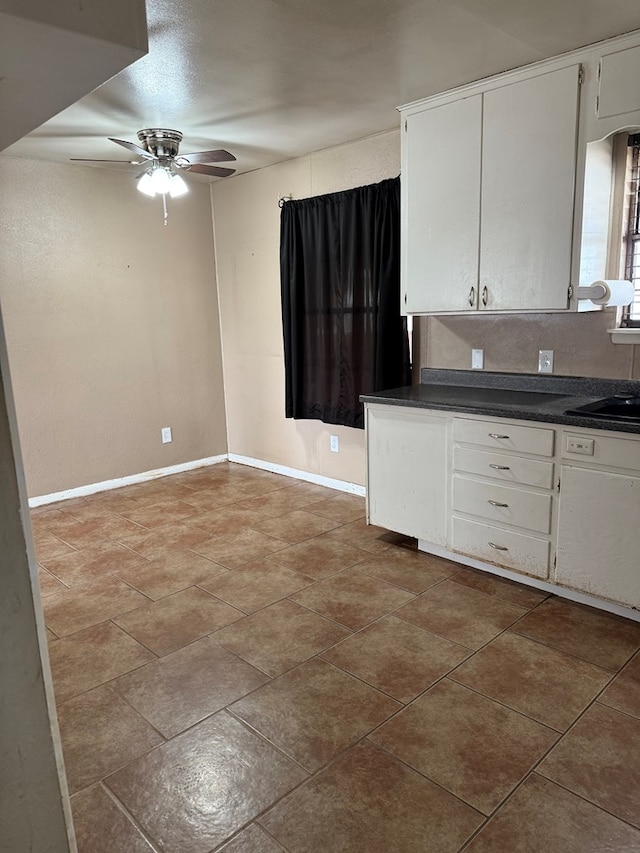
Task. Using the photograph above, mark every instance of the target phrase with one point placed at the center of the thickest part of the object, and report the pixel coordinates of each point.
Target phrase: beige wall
(580, 343)
(111, 323)
(247, 234)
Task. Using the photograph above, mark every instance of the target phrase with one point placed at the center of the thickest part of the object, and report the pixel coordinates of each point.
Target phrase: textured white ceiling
(274, 79)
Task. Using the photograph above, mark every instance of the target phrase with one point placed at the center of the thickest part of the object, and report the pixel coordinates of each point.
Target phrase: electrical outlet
(545, 361)
(477, 359)
(166, 435)
(334, 444)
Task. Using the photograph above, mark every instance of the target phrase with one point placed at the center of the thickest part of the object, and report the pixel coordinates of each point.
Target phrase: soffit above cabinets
(274, 79)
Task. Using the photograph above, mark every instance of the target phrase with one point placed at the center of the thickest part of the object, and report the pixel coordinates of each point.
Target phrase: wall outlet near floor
(477, 359)
(166, 435)
(334, 444)
(545, 361)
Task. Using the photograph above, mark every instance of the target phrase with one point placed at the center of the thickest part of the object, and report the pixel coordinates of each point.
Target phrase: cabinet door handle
(485, 295)
(472, 297)
(497, 503)
(498, 547)
(499, 467)
(497, 435)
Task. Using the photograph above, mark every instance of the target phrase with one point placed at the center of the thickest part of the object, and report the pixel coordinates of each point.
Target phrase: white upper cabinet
(618, 90)
(441, 207)
(488, 197)
(528, 177)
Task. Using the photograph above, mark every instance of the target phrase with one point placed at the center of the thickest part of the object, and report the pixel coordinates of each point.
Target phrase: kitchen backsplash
(580, 343)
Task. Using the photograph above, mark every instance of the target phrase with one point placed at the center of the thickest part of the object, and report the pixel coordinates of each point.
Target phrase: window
(631, 234)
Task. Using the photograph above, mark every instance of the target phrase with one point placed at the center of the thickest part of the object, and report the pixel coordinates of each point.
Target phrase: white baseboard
(106, 485)
(318, 479)
(561, 591)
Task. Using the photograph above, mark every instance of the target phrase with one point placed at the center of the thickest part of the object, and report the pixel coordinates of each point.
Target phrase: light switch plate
(477, 359)
(545, 361)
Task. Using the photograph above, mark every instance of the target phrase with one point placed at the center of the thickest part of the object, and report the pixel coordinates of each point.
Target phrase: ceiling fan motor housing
(160, 141)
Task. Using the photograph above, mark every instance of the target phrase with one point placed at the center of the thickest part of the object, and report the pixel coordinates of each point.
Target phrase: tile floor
(242, 665)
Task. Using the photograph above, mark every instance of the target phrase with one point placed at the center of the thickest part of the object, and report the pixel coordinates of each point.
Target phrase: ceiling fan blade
(90, 160)
(219, 156)
(131, 146)
(217, 171)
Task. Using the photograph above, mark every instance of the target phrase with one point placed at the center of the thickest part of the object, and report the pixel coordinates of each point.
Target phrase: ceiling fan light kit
(158, 152)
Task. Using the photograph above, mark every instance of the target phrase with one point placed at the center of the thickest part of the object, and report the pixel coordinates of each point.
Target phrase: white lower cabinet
(599, 534)
(408, 471)
(495, 499)
(518, 551)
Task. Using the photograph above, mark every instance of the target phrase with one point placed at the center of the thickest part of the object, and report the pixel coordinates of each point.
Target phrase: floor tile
(359, 534)
(280, 636)
(596, 636)
(543, 683)
(171, 537)
(235, 549)
(174, 571)
(470, 745)
(48, 584)
(101, 733)
(217, 495)
(319, 558)
(624, 691)
(398, 658)
(341, 508)
(351, 598)
(411, 570)
(314, 712)
(102, 827)
(543, 818)
(184, 687)
(170, 623)
(280, 502)
(92, 563)
(599, 759)
(460, 614)
(85, 605)
(48, 547)
(84, 534)
(161, 512)
(252, 840)
(93, 656)
(228, 519)
(514, 593)
(295, 526)
(195, 791)
(367, 801)
(255, 585)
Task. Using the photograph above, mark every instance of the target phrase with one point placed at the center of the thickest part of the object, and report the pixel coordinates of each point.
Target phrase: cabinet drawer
(512, 469)
(504, 547)
(504, 436)
(520, 507)
(601, 449)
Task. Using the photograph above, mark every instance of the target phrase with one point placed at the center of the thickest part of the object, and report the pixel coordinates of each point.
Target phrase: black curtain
(340, 278)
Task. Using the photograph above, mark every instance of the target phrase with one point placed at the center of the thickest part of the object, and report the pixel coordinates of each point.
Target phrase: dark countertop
(512, 395)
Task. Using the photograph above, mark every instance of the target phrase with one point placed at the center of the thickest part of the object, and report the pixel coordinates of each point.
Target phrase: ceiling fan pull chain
(164, 207)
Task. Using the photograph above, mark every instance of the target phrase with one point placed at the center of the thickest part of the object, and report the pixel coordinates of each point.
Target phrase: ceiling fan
(158, 153)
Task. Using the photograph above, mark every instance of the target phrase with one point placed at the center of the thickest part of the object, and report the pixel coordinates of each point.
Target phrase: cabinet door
(528, 174)
(441, 208)
(598, 534)
(408, 472)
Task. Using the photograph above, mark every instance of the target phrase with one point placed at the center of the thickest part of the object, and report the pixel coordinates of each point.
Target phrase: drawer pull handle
(499, 467)
(485, 295)
(472, 296)
(498, 547)
(497, 503)
(497, 435)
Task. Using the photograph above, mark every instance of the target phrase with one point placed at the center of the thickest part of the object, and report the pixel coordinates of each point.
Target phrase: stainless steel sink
(619, 408)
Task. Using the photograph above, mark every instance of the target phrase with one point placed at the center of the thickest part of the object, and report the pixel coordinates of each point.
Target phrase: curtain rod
(283, 199)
